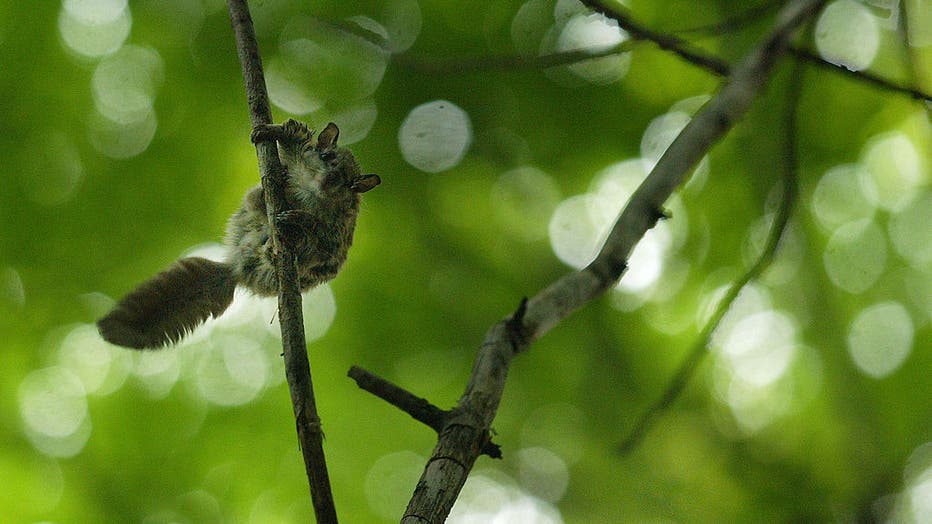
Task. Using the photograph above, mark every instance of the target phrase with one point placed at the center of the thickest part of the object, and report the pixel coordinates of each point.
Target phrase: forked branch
(461, 441)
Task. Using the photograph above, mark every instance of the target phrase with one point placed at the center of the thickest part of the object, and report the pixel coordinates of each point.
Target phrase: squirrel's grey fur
(322, 190)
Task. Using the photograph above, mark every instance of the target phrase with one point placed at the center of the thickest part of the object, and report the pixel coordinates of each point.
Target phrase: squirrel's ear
(327, 139)
(365, 183)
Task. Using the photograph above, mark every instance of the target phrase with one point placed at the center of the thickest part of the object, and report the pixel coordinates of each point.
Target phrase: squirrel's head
(321, 168)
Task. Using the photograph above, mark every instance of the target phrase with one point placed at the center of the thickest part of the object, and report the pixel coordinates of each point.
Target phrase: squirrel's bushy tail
(168, 306)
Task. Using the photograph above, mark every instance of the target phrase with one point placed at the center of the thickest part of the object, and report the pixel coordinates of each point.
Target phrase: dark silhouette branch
(297, 369)
(711, 63)
(735, 22)
(780, 222)
(640, 33)
(864, 76)
(667, 42)
(419, 408)
(461, 440)
(460, 65)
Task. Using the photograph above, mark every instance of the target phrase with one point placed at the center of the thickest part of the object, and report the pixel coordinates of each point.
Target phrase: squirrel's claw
(265, 133)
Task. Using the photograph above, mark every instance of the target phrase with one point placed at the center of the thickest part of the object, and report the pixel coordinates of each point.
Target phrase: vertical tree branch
(297, 369)
(461, 441)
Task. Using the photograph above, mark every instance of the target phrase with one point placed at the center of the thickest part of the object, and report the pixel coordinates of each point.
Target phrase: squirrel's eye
(327, 156)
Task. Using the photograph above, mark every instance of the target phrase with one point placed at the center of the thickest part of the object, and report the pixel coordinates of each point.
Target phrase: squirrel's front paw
(265, 133)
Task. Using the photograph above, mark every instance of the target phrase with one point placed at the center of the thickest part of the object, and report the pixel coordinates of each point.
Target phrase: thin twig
(668, 42)
(461, 440)
(297, 369)
(865, 76)
(461, 65)
(638, 33)
(734, 22)
(419, 408)
(781, 219)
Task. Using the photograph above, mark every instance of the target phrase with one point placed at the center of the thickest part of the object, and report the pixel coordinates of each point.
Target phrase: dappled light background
(125, 146)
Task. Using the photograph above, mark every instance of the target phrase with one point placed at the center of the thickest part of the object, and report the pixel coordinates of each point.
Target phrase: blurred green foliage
(110, 178)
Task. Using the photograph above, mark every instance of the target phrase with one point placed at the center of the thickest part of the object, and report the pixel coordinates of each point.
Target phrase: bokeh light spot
(543, 473)
(911, 230)
(893, 169)
(839, 197)
(122, 141)
(318, 306)
(663, 130)
(523, 199)
(94, 10)
(497, 501)
(355, 119)
(102, 368)
(402, 20)
(529, 25)
(289, 90)
(593, 32)
(881, 338)
(917, 478)
(575, 236)
(52, 401)
(566, 10)
(158, 371)
(918, 285)
(760, 347)
(847, 34)
(125, 84)
(333, 64)
(753, 298)
(435, 136)
(233, 371)
(646, 262)
(754, 407)
(94, 28)
(389, 482)
(579, 224)
(855, 256)
(920, 500)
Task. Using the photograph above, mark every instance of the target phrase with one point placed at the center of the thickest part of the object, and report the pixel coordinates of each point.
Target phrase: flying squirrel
(323, 187)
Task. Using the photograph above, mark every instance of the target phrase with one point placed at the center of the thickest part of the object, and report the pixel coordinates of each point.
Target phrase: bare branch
(781, 219)
(461, 441)
(419, 408)
(641, 33)
(864, 76)
(734, 22)
(460, 65)
(297, 369)
(671, 43)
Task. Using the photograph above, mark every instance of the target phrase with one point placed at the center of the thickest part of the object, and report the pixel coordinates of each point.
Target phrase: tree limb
(864, 76)
(668, 42)
(460, 65)
(780, 222)
(641, 33)
(461, 440)
(419, 408)
(297, 369)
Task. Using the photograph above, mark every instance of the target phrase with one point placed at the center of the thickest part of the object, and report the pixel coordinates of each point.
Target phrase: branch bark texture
(290, 314)
(461, 440)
